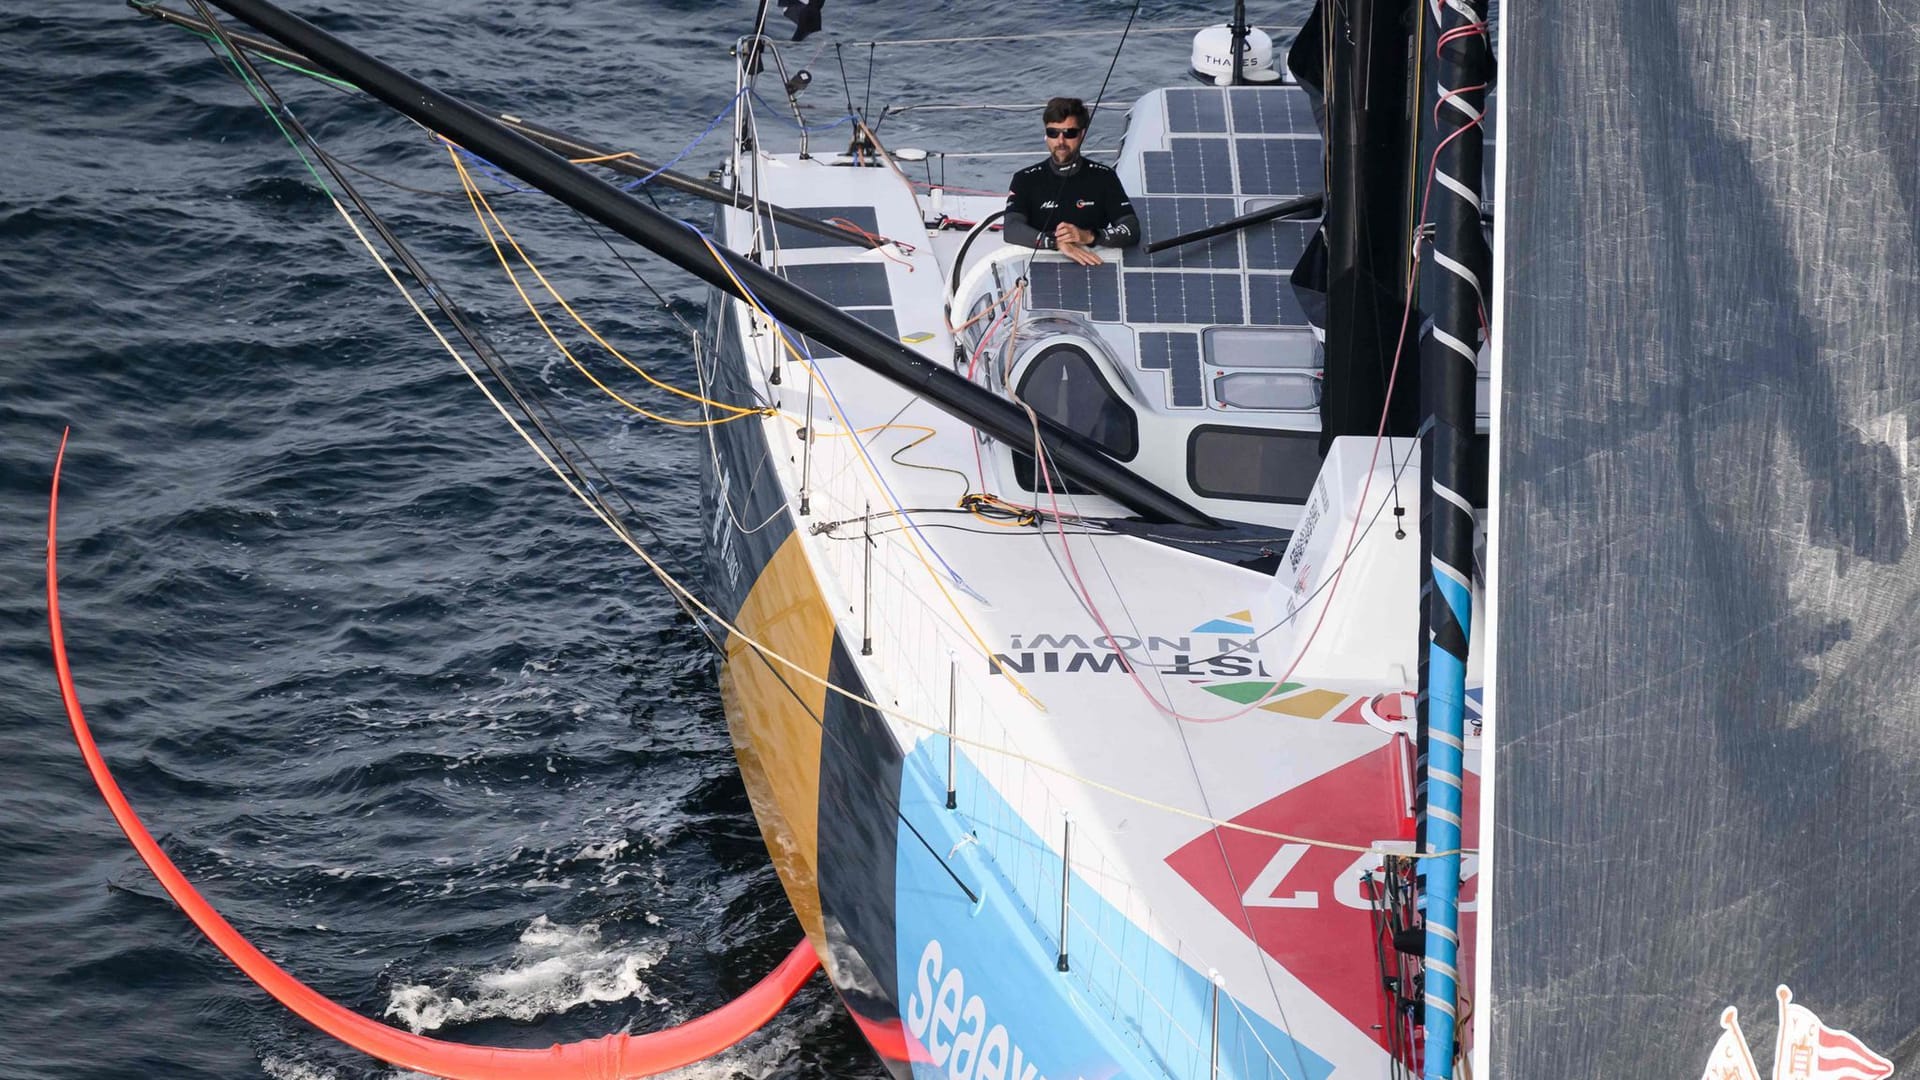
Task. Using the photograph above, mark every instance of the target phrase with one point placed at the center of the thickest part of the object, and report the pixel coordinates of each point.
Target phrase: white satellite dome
(1213, 56)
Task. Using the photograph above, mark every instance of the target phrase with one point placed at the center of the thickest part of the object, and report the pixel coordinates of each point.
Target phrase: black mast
(1369, 95)
(1456, 278)
(1077, 456)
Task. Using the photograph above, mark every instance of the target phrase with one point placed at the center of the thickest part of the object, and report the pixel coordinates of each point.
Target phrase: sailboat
(1050, 780)
(1095, 638)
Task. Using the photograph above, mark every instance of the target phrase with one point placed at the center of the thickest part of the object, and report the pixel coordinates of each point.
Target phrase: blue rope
(688, 149)
(489, 169)
(774, 111)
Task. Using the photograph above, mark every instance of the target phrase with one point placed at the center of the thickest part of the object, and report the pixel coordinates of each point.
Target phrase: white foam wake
(554, 969)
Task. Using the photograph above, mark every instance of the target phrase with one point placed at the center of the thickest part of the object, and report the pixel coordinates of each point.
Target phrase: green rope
(289, 65)
(259, 96)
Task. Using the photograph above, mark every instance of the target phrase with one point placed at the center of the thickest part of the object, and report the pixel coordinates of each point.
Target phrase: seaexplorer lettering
(954, 1028)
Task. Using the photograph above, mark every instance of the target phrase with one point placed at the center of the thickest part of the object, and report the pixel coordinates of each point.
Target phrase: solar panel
(1273, 110)
(1278, 166)
(1165, 296)
(792, 239)
(1093, 290)
(1272, 302)
(1190, 167)
(1277, 245)
(843, 284)
(1196, 111)
(1159, 348)
(1178, 354)
(1162, 217)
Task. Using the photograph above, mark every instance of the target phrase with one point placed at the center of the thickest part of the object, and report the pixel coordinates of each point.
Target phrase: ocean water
(398, 705)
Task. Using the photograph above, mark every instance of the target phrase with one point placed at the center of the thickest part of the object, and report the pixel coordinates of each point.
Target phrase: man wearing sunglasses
(1067, 203)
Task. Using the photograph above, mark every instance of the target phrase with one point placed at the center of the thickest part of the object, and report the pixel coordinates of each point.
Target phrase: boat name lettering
(1072, 653)
(1229, 661)
(1304, 534)
(953, 1026)
(722, 538)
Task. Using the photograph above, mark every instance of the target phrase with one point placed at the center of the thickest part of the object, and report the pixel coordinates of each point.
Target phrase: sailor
(1067, 203)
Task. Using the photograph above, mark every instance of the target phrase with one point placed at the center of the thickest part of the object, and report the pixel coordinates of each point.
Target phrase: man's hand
(1083, 256)
(1072, 241)
(1068, 233)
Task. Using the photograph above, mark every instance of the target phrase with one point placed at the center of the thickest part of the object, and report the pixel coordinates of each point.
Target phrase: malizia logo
(1804, 1049)
(1223, 648)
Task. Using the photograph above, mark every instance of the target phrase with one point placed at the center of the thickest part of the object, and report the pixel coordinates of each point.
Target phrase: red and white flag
(1730, 1060)
(1810, 1050)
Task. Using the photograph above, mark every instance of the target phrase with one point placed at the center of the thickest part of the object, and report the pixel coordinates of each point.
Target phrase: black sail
(1709, 661)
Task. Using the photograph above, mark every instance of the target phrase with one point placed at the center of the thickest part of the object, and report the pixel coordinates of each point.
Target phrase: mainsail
(1706, 743)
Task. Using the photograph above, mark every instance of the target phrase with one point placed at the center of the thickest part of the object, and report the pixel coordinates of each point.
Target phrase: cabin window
(1256, 464)
(1063, 385)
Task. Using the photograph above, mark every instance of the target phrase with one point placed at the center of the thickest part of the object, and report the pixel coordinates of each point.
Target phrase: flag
(1730, 1060)
(805, 15)
(1807, 1049)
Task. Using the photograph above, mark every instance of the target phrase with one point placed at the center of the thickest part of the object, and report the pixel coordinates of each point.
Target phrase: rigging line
(697, 609)
(582, 323)
(725, 497)
(1186, 744)
(1093, 111)
(846, 85)
(665, 304)
(1399, 471)
(687, 596)
(688, 149)
(1038, 35)
(1277, 686)
(479, 201)
(681, 595)
(376, 177)
(263, 94)
(914, 545)
(489, 170)
(875, 431)
(867, 106)
(809, 128)
(1111, 64)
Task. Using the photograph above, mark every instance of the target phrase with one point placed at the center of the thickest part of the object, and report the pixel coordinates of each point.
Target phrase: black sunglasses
(1063, 133)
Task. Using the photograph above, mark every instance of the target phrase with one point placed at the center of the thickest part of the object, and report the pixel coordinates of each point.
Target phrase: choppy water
(406, 713)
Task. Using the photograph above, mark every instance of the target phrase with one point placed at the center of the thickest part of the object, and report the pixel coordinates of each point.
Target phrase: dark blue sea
(406, 713)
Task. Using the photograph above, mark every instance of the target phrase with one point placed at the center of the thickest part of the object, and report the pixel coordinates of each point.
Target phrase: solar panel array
(859, 289)
(1228, 152)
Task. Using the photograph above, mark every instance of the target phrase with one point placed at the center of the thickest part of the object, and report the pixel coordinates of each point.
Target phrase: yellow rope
(674, 585)
(1023, 517)
(482, 212)
(601, 158)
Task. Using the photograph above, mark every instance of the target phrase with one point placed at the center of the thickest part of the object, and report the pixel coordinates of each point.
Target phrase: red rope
(611, 1057)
